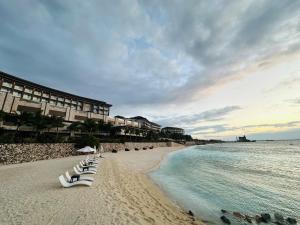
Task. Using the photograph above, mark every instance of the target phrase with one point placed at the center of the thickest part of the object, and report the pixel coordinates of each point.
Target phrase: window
(67, 105)
(52, 102)
(53, 97)
(60, 104)
(37, 93)
(27, 90)
(79, 108)
(67, 100)
(17, 94)
(36, 99)
(44, 100)
(60, 99)
(79, 103)
(45, 95)
(26, 96)
(74, 102)
(19, 88)
(7, 84)
(4, 89)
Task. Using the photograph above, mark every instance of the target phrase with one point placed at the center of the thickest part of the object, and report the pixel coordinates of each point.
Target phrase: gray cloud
(188, 120)
(135, 52)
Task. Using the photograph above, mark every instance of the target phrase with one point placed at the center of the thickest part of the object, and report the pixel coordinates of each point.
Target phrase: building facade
(17, 95)
(172, 130)
(146, 124)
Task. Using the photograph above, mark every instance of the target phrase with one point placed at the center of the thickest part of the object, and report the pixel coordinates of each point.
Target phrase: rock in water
(291, 220)
(248, 219)
(266, 217)
(238, 215)
(225, 220)
(258, 219)
(191, 213)
(278, 217)
(223, 211)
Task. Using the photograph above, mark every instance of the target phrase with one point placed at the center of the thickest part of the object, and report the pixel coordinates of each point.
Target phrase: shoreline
(122, 192)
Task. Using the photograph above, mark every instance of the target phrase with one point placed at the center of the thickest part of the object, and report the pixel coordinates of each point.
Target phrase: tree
(57, 122)
(24, 118)
(38, 122)
(2, 115)
(75, 126)
(89, 125)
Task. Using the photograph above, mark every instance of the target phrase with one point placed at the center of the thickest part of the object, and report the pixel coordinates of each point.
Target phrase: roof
(32, 84)
(145, 119)
(175, 128)
(120, 117)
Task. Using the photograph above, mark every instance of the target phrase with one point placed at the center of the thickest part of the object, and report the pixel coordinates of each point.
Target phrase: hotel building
(172, 130)
(18, 95)
(146, 124)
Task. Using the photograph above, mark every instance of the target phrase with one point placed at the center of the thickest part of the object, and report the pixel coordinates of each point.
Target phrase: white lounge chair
(90, 166)
(85, 168)
(66, 184)
(79, 172)
(69, 178)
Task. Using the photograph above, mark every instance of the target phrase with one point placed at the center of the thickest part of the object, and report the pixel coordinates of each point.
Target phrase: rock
(144, 148)
(225, 220)
(238, 215)
(127, 149)
(258, 219)
(136, 149)
(291, 220)
(266, 217)
(114, 151)
(223, 211)
(191, 213)
(278, 217)
(248, 219)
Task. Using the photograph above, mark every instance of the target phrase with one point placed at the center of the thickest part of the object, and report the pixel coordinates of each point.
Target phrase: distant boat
(244, 139)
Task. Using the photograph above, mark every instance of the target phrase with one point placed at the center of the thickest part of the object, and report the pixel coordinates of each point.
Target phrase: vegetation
(45, 129)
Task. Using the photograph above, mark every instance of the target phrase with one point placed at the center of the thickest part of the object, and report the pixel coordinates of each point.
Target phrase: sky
(218, 69)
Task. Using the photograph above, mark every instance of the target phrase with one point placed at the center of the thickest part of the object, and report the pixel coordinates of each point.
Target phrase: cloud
(140, 55)
(219, 128)
(188, 120)
(135, 52)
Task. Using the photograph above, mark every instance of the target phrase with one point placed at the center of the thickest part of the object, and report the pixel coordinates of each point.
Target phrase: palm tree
(18, 120)
(38, 122)
(75, 126)
(89, 125)
(57, 122)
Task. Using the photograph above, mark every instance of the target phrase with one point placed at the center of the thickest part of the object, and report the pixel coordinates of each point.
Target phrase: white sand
(121, 194)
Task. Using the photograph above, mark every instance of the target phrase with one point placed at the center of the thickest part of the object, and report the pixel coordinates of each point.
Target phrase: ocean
(251, 178)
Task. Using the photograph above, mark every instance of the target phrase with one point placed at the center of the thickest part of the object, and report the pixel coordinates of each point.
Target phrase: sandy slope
(121, 194)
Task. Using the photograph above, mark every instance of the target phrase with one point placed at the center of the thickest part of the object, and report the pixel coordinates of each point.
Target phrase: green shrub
(87, 140)
(7, 138)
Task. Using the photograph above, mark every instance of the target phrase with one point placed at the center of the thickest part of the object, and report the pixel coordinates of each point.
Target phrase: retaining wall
(19, 153)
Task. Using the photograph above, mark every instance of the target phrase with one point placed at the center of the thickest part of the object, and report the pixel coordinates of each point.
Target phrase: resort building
(172, 130)
(17, 95)
(146, 124)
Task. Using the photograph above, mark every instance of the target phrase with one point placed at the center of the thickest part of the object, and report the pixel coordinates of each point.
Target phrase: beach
(122, 193)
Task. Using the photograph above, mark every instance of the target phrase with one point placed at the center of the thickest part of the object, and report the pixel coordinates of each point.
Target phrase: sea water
(251, 178)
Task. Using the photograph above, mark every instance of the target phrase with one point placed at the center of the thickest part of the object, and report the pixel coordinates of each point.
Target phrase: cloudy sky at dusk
(216, 68)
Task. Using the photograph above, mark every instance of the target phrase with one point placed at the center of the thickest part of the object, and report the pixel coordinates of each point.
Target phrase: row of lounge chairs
(79, 178)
